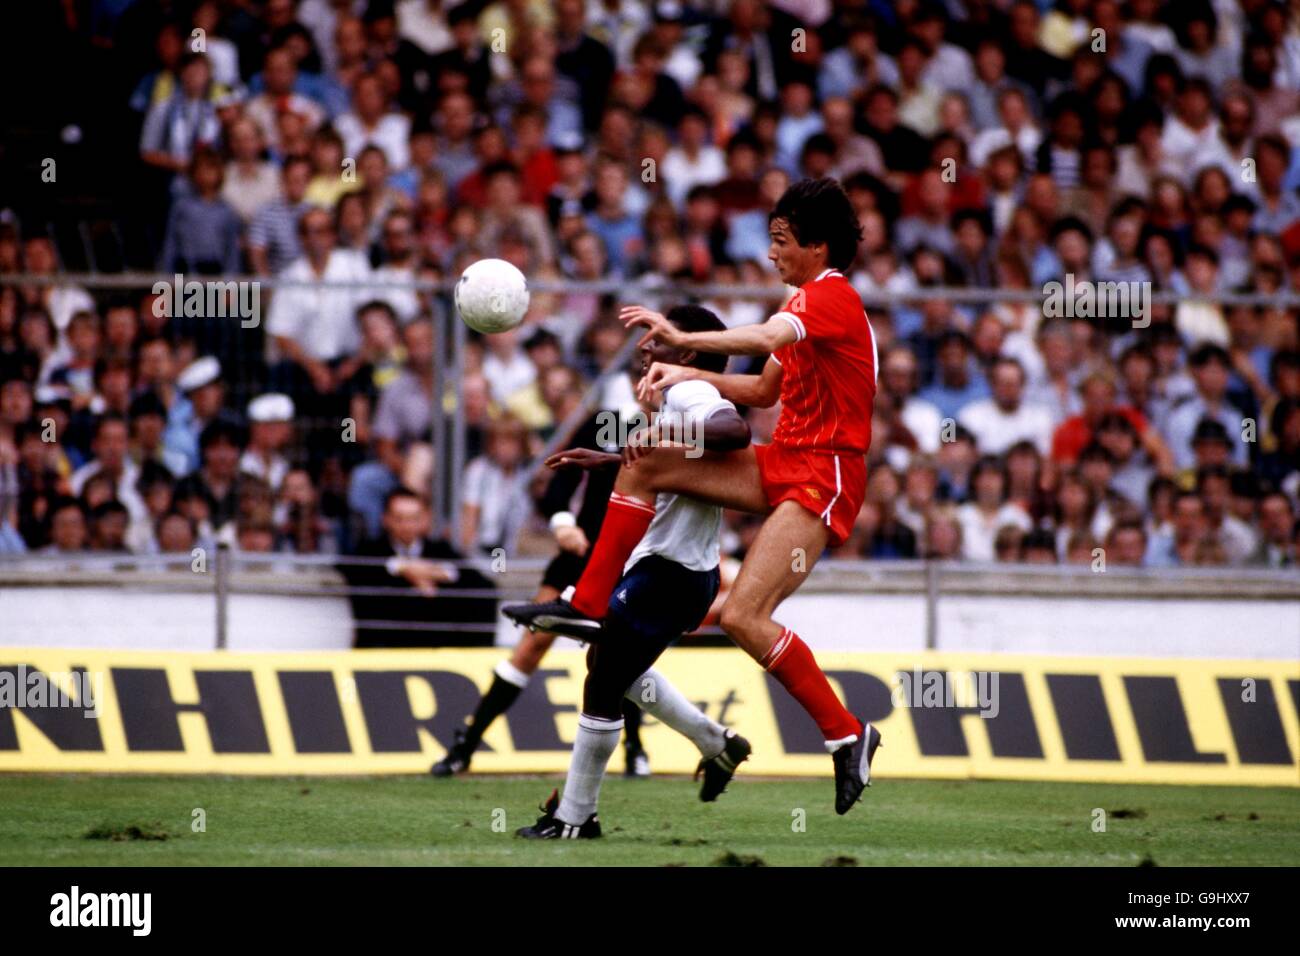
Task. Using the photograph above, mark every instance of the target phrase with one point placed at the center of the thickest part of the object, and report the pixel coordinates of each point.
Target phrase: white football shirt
(685, 530)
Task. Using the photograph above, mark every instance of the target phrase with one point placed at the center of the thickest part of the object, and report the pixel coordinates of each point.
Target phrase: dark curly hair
(696, 318)
(819, 210)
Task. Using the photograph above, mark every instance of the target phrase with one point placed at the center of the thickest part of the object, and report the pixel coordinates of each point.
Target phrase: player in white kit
(668, 584)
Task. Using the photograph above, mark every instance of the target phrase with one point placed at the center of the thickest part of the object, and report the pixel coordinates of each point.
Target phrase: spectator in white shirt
(314, 327)
(270, 430)
(694, 161)
(1192, 132)
(280, 73)
(1017, 128)
(496, 501)
(1003, 419)
(372, 123)
(505, 365)
(110, 446)
(988, 511)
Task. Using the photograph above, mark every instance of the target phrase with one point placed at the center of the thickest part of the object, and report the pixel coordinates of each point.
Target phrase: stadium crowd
(986, 144)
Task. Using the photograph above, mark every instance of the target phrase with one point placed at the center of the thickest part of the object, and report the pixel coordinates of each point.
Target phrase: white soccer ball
(492, 296)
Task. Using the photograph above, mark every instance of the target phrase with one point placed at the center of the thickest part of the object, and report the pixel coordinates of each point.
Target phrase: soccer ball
(492, 296)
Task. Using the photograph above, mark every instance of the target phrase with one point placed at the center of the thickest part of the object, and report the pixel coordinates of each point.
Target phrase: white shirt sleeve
(694, 400)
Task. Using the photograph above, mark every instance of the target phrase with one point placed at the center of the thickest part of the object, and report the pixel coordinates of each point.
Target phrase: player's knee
(737, 620)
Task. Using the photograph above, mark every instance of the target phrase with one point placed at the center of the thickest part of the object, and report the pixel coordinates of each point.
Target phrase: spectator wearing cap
(270, 430)
(273, 239)
(1210, 367)
(202, 385)
(1211, 448)
(111, 459)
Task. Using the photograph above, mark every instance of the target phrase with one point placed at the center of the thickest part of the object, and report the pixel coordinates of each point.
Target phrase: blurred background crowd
(987, 144)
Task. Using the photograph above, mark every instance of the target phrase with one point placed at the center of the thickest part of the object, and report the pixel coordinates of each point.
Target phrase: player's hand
(662, 376)
(657, 325)
(584, 458)
(426, 575)
(639, 444)
(572, 539)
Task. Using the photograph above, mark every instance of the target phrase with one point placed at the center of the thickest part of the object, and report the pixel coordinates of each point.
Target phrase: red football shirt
(828, 377)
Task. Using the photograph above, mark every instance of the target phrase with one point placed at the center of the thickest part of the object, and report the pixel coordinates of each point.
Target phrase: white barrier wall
(868, 607)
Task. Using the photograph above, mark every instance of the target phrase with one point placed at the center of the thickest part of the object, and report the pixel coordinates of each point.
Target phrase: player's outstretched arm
(725, 430)
(762, 339)
(754, 391)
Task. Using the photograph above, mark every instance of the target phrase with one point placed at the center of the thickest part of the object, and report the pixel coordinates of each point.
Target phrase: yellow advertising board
(945, 715)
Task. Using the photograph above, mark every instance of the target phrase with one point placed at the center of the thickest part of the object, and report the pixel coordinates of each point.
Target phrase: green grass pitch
(88, 820)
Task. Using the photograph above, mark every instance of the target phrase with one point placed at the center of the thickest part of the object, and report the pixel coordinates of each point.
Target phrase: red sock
(790, 662)
(626, 520)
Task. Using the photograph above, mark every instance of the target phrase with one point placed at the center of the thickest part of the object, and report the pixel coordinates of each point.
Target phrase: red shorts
(829, 484)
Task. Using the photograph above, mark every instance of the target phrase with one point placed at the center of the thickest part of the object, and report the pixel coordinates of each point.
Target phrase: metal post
(459, 337)
(438, 416)
(931, 605)
(223, 592)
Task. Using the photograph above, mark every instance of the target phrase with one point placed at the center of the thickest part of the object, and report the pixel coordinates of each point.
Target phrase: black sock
(631, 725)
(495, 702)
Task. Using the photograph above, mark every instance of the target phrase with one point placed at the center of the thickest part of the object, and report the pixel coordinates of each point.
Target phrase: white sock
(511, 674)
(656, 696)
(592, 748)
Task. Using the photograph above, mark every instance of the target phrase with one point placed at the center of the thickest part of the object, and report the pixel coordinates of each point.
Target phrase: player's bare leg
(730, 480)
(788, 545)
